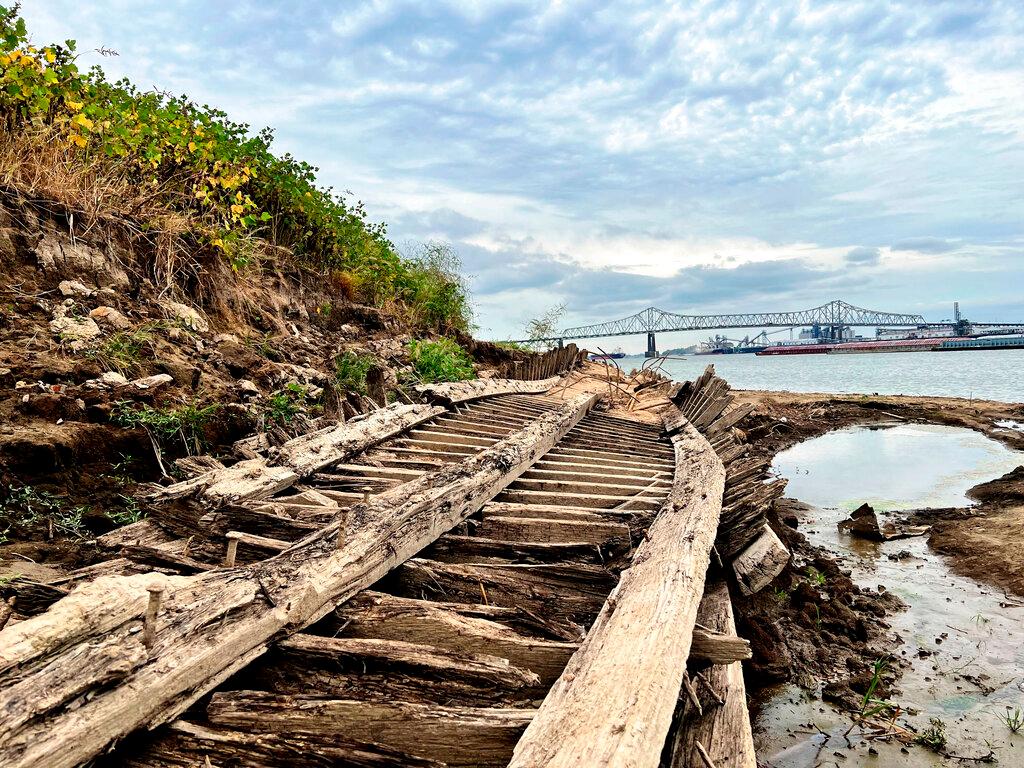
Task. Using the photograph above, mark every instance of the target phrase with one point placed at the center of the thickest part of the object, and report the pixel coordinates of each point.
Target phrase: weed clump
(934, 736)
(440, 360)
(26, 508)
(287, 403)
(184, 426)
(351, 369)
(122, 351)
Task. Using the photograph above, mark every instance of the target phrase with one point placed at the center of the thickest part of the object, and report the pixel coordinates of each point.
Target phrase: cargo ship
(596, 357)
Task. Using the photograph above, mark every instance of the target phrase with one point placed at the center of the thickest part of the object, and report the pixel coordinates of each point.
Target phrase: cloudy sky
(702, 156)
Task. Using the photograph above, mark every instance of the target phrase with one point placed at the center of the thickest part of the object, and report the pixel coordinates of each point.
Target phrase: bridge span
(831, 317)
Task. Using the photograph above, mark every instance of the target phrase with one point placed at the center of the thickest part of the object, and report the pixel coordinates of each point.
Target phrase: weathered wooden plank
(451, 548)
(614, 702)
(464, 391)
(553, 531)
(392, 669)
(572, 591)
(723, 730)
(260, 478)
(184, 744)
(456, 736)
(639, 501)
(421, 621)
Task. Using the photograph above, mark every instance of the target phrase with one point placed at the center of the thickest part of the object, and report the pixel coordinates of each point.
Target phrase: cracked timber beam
(260, 478)
(464, 391)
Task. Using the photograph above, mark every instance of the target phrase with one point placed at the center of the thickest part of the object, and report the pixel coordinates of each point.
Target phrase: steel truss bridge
(831, 317)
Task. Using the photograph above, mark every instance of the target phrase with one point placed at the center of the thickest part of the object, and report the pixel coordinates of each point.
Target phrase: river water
(954, 631)
(987, 375)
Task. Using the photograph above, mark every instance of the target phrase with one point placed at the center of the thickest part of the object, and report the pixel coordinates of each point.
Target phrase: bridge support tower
(652, 345)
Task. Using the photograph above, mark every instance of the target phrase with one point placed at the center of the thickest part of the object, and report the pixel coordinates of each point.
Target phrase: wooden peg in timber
(692, 695)
(704, 756)
(232, 553)
(342, 532)
(156, 594)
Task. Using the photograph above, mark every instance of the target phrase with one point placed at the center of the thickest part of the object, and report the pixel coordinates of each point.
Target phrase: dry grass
(103, 203)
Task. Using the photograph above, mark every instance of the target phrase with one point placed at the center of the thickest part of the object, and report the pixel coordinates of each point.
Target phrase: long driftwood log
(613, 704)
(142, 659)
(260, 478)
(464, 391)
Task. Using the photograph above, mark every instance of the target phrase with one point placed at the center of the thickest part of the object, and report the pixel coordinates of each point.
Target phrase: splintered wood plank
(597, 478)
(440, 625)
(184, 744)
(641, 500)
(549, 511)
(451, 548)
(463, 391)
(722, 730)
(260, 478)
(392, 670)
(209, 626)
(639, 466)
(456, 736)
(581, 485)
(613, 704)
(574, 592)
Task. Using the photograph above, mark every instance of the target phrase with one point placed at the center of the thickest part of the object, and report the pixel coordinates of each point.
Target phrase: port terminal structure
(832, 318)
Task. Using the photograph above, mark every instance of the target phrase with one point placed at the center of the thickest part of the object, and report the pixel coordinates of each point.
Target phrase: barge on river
(954, 344)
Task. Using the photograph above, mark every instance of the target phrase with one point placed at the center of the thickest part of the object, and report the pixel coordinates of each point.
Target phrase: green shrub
(26, 508)
(433, 291)
(184, 426)
(440, 360)
(351, 369)
(285, 404)
(130, 511)
(172, 156)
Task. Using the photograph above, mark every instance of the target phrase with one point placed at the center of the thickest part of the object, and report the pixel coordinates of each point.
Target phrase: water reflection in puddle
(959, 625)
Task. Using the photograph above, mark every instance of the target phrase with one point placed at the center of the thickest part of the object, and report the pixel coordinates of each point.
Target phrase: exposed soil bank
(956, 647)
(985, 542)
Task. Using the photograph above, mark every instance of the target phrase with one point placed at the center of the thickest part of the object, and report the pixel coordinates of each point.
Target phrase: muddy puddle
(963, 642)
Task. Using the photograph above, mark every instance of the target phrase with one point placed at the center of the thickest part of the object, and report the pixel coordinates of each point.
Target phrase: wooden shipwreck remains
(405, 592)
(613, 704)
(164, 642)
